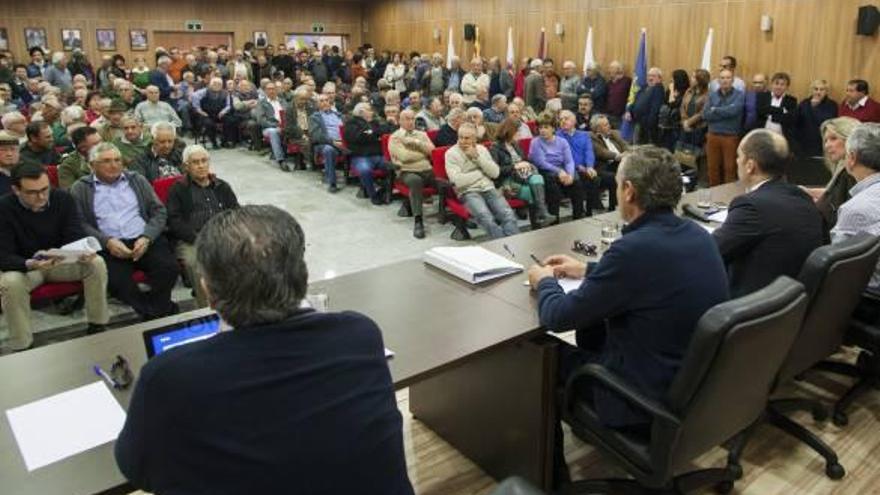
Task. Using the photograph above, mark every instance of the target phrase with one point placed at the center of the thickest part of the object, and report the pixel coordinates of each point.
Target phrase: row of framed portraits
(73, 38)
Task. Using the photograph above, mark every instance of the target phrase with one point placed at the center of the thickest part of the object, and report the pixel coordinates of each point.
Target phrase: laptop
(159, 340)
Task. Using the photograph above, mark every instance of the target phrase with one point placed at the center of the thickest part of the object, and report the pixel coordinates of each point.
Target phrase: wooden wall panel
(240, 18)
(810, 38)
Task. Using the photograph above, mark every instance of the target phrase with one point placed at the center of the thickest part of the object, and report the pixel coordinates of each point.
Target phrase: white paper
(719, 216)
(70, 253)
(708, 228)
(388, 353)
(65, 424)
(570, 284)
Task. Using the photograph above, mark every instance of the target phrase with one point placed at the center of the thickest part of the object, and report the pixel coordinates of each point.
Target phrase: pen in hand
(536, 260)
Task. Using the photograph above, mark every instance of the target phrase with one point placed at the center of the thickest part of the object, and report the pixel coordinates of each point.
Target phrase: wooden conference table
(477, 374)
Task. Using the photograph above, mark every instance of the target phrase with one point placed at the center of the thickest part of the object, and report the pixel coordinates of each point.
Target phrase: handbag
(688, 154)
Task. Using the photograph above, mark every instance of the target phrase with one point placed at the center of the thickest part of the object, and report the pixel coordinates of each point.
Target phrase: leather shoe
(419, 230)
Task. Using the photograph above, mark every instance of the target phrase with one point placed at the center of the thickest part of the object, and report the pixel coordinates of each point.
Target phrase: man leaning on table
(636, 310)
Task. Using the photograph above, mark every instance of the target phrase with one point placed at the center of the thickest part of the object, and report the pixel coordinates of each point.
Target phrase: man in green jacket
(76, 164)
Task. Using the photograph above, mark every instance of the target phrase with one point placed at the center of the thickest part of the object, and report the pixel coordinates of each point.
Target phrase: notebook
(472, 264)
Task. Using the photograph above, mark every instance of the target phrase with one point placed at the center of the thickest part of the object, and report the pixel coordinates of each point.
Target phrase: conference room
(440, 247)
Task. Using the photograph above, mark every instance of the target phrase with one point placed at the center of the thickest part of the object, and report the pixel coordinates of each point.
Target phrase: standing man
(474, 81)
(535, 94)
(645, 109)
(723, 112)
(777, 110)
(618, 93)
(759, 86)
(728, 62)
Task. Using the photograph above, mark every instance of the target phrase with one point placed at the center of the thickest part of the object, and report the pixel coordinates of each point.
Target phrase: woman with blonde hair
(829, 198)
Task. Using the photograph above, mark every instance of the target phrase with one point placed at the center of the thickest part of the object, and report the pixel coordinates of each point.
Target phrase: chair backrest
(342, 136)
(533, 127)
(835, 277)
(438, 162)
(383, 141)
(163, 187)
(526, 145)
(728, 371)
(432, 135)
(52, 172)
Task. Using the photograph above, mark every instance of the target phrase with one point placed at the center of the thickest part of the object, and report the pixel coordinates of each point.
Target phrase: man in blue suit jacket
(159, 77)
(645, 110)
(636, 310)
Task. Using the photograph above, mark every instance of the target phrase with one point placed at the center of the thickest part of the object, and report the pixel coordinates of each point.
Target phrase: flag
(589, 59)
(450, 50)
(541, 45)
(707, 52)
(639, 81)
(510, 60)
(477, 41)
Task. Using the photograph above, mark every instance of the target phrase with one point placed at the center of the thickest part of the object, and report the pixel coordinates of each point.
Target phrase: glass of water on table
(610, 232)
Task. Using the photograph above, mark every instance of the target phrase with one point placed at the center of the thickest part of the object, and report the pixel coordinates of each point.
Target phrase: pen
(509, 251)
(103, 374)
(536, 260)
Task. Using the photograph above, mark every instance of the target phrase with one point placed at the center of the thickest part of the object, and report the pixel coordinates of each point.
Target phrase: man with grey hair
(594, 86)
(568, 86)
(326, 138)
(535, 95)
(153, 110)
(160, 78)
(636, 310)
(121, 210)
(58, 74)
(311, 392)
(471, 171)
(861, 213)
(645, 109)
(361, 133)
(448, 134)
(192, 201)
(431, 117)
(618, 85)
(15, 123)
(163, 159)
(772, 228)
(498, 111)
(410, 152)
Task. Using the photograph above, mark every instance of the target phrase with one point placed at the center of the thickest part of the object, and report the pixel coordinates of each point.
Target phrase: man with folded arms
(410, 151)
(121, 210)
(33, 220)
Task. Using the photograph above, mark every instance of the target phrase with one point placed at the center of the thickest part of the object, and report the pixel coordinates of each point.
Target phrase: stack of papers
(472, 263)
(71, 253)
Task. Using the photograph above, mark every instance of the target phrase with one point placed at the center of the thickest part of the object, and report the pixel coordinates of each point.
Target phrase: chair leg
(737, 446)
(839, 416)
(460, 233)
(833, 469)
(782, 406)
(838, 368)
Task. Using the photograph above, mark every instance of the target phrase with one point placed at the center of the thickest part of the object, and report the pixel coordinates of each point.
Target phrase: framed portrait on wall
(4, 40)
(36, 37)
(261, 39)
(106, 39)
(71, 38)
(138, 39)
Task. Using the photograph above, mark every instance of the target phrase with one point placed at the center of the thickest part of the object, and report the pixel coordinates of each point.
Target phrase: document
(473, 264)
(70, 253)
(719, 216)
(570, 284)
(51, 429)
(388, 353)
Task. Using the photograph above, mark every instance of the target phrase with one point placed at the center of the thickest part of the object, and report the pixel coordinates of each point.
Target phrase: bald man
(772, 228)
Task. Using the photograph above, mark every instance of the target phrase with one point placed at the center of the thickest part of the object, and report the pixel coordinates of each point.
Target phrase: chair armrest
(601, 375)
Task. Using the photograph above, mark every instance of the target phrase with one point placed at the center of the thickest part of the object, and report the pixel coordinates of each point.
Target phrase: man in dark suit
(636, 310)
(772, 228)
(290, 401)
(645, 110)
(776, 109)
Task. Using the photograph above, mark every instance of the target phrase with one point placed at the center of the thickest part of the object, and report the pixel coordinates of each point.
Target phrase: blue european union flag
(639, 81)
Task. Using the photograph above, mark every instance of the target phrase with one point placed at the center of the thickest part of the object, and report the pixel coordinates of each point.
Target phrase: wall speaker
(470, 32)
(869, 20)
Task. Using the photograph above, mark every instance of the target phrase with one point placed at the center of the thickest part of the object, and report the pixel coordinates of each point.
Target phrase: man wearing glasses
(34, 219)
(121, 210)
(729, 63)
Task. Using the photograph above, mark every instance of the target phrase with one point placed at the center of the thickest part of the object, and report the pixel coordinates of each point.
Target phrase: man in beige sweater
(410, 151)
(471, 169)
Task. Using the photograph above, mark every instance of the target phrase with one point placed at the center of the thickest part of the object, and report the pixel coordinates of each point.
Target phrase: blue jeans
(330, 154)
(274, 135)
(489, 209)
(365, 166)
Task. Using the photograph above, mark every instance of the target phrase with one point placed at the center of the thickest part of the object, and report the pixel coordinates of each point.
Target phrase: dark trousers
(228, 124)
(161, 268)
(607, 180)
(416, 182)
(555, 191)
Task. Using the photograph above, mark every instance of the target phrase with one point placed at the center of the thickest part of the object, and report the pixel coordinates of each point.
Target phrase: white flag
(510, 59)
(707, 52)
(589, 59)
(450, 50)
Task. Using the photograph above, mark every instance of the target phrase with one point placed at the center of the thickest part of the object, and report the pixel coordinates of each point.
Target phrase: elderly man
(581, 146)
(15, 124)
(758, 88)
(192, 201)
(121, 210)
(76, 164)
(724, 114)
(110, 128)
(160, 78)
(618, 85)
(639, 334)
(153, 110)
(473, 81)
(213, 105)
(568, 87)
(163, 159)
(413, 102)
(245, 100)
(40, 145)
(33, 219)
(645, 110)
(498, 111)
(448, 134)
(58, 74)
(608, 148)
(431, 118)
(435, 79)
(273, 116)
(410, 151)
(9, 158)
(311, 390)
(481, 101)
(535, 95)
(326, 138)
(594, 86)
(132, 144)
(471, 170)
(857, 104)
(126, 94)
(362, 133)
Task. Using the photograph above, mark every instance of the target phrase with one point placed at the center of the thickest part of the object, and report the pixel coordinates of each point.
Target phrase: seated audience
(153, 110)
(76, 164)
(581, 146)
(410, 151)
(271, 113)
(608, 148)
(553, 158)
(326, 138)
(214, 108)
(772, 228)
(498, 111)
(514, 113)
(192, 201)
(861, 213)
(9, 159)
(811, 114)
(15, 124)
(448, 134)
(133, 144)
(475, 116)
(481, 101)
(471, 170)
(639, 334)
(40, 146)
(724, 115)
(110, 128)
(302, 395)
(431, 118)
(163, 159)
(584, 112)
(857, 104)
(121, 210)
(361, 133)
(517, 177)
(34, 219)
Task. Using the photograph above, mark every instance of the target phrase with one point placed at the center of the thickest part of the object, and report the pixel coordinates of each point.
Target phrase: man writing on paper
(636, 310)
(34, 219)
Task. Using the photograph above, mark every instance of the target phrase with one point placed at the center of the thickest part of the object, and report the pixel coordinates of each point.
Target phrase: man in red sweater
(858, 104)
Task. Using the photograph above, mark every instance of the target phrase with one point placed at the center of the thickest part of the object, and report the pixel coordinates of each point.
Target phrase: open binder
(471, 263)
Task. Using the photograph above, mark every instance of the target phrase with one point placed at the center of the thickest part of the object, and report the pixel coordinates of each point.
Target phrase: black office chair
(720, 390)
(516, 486)
(834, 277)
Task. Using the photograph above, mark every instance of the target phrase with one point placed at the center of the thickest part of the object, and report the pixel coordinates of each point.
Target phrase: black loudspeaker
(869, 20)
(470, 32)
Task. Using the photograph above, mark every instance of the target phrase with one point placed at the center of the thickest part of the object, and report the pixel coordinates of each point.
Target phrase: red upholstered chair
(526, 145)
(163, 187)
(53, 291)
(381, 176)
(399, 187)
(52, 172)
(533, 126)
(432, 135)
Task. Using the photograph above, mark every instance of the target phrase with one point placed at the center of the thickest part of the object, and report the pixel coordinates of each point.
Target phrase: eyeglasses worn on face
(35, 192)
